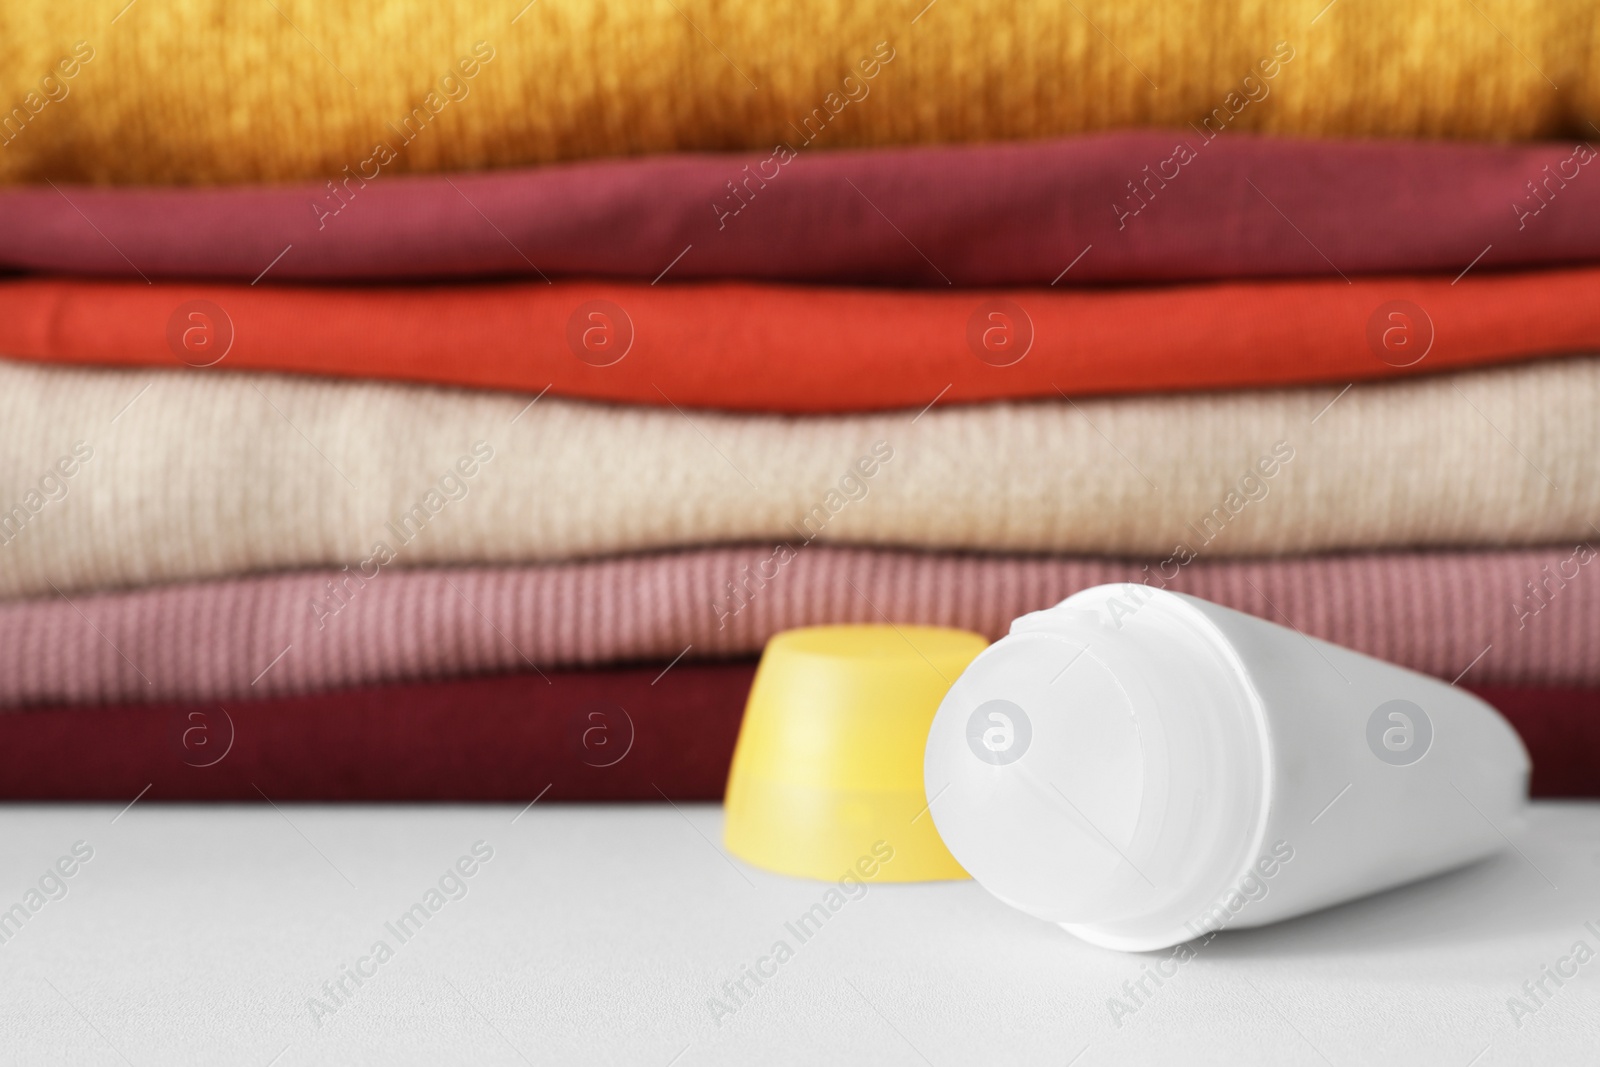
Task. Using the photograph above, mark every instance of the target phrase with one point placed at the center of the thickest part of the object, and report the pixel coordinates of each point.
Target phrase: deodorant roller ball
(1144, 767)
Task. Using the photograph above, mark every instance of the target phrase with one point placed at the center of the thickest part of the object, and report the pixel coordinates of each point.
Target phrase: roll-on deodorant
(1144, 767)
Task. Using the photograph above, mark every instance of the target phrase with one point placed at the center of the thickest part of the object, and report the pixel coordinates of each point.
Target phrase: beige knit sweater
(205, 473)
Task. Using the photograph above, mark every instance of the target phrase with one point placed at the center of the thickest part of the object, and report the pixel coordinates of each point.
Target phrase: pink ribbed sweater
(1438, 612)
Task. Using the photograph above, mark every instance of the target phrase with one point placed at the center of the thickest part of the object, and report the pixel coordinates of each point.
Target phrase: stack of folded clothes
(408, 401)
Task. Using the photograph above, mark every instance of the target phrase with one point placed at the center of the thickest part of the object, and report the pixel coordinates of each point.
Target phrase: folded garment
(715, 344)
(637, 734)
(640, 733)
(1561, 728)
(115, 478)
(207, 91)
(1529, 617)
(974, 215)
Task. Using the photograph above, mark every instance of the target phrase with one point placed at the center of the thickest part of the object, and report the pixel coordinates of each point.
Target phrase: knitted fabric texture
(797, 349)
(114, 478)
(1528, 617)
(464, 739)
(486, 739)
(209, 91)
(1027, 212)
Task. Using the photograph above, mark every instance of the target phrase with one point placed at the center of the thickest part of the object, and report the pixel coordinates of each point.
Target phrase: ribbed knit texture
(199, 91)
(1434, 612)
(202, 475)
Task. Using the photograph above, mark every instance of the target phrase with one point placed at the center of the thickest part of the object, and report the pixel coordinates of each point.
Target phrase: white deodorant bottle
(1144, 767)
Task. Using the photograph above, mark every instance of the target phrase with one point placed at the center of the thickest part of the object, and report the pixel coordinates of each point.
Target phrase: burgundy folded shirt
(629, 734)
(1117, 207)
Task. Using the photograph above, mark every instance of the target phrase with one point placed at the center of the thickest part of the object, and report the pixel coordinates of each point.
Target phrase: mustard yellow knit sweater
(208, 91)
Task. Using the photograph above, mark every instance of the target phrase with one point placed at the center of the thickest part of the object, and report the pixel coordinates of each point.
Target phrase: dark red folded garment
(1122, 207)
(1561, 728)
(627, 734)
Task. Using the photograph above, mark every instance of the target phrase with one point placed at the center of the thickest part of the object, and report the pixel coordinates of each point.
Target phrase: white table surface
(599, 934)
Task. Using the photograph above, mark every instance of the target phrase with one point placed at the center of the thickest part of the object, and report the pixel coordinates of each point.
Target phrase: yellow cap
(828, 769)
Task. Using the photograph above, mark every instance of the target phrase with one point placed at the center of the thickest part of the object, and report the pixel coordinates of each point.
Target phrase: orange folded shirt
(795, 349)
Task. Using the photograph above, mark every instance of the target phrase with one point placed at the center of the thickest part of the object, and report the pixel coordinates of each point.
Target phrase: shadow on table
(1499, 898)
